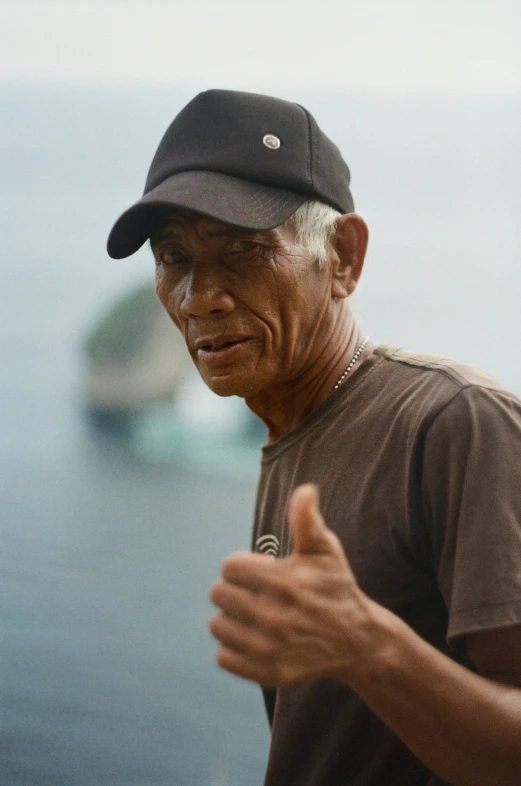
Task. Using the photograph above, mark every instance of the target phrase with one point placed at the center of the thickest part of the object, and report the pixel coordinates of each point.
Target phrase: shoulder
(433, 390)
(435, 382)
(439, 369)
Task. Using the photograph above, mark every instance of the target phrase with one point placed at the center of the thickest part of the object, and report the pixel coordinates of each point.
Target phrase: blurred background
(124, 481)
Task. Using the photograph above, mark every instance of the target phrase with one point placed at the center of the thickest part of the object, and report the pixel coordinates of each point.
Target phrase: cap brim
(221, 197)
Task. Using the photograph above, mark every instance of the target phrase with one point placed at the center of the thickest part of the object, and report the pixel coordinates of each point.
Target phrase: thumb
(308, 529)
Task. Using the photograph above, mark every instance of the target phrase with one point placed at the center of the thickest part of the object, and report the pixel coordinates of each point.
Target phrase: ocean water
(106, 666)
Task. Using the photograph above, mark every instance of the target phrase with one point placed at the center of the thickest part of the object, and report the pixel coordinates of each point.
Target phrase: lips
(215, 343)
(218, 350)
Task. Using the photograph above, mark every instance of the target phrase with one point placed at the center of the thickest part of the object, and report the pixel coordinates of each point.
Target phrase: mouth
(222, 349)
(215, 344)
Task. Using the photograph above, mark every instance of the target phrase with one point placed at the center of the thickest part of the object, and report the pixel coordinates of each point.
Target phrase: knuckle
(278, 624)
(288, 588)
(227, 567)
(221, 657)
(305, 576)
(216, 592)
(266, 648)
(231, 563)
(214, 624)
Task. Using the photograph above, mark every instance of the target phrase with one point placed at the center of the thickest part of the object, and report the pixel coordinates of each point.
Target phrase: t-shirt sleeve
(471, 495)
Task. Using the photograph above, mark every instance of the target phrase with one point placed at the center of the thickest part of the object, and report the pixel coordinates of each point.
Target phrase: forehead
(177, 225)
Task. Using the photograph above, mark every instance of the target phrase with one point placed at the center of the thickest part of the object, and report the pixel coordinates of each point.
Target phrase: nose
(205, 292)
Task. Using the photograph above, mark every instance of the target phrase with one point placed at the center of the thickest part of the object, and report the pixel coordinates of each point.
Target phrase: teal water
(107, 675)
(107, 666)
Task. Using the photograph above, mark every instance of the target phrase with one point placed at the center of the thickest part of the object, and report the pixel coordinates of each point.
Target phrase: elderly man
(386, 633)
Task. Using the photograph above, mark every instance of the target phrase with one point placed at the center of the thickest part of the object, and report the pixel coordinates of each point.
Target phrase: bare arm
(465, 727)
(303, 618)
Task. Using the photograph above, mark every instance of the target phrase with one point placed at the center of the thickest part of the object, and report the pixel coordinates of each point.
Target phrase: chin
(229, 385)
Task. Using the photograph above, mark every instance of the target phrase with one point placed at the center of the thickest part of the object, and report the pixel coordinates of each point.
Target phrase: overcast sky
(382, 45)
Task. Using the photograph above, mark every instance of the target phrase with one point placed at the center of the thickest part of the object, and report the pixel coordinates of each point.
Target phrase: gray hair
(315, 224)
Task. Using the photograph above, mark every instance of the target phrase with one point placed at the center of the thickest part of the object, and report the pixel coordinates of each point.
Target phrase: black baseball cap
(241, 158)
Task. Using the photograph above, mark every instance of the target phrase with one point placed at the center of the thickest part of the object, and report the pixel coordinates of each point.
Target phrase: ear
(349, 246)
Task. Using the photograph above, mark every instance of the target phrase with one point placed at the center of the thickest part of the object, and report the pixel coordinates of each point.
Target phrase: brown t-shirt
(418, 463)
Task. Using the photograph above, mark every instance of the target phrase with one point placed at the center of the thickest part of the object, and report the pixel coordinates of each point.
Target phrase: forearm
(464, 727)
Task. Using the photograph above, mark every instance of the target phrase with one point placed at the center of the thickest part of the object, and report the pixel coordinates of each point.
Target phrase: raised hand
(293, 620)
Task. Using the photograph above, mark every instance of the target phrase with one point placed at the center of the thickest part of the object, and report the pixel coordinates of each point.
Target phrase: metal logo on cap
(271, 141)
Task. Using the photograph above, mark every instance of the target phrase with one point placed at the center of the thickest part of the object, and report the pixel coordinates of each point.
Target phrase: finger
(308, 530)
(241, 637)
(248, 570)
(234, 600)
(243, 665)
(263, 612)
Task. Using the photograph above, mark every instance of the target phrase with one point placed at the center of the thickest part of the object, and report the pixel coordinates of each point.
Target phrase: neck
(284, 406)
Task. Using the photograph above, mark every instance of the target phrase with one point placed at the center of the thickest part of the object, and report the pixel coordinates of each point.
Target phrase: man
(386, 633)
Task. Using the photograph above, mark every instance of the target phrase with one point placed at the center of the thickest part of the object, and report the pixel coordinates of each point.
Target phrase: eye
(242, 247)
(170, 256)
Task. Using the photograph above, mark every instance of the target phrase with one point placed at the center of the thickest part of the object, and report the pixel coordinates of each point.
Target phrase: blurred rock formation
(135, 356)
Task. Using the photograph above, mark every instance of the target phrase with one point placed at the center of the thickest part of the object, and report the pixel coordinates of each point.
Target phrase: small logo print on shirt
(268, 544)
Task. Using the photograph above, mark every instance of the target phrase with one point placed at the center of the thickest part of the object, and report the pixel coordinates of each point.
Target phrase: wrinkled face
(252, 306)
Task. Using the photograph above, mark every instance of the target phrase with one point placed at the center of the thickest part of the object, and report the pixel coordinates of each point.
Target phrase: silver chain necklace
(353, 361)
